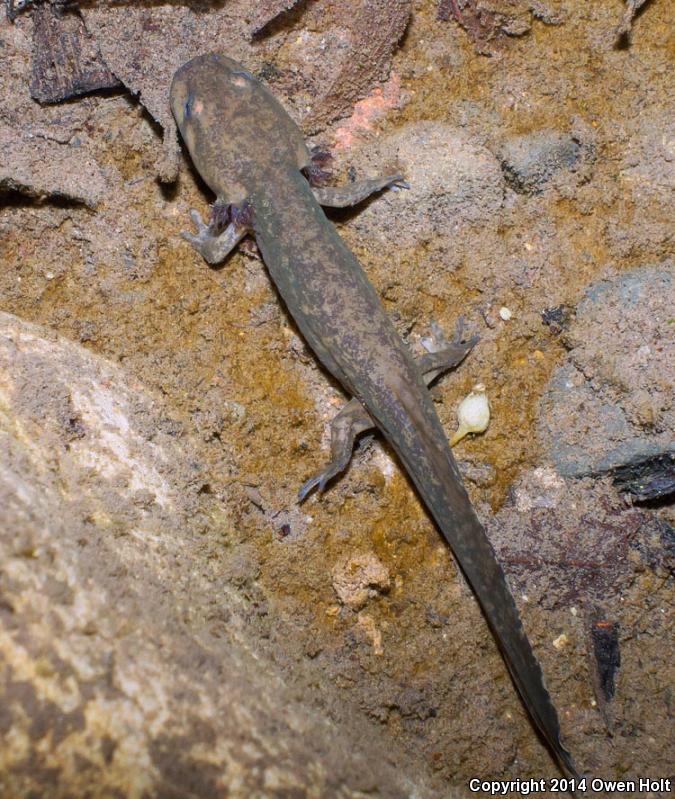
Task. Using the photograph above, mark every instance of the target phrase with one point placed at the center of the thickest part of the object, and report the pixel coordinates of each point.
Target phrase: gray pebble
(611, 403)
(530, 161)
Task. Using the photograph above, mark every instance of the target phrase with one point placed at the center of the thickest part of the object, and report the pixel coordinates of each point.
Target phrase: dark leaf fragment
(66, 59)
(605, 637)
(649, 479)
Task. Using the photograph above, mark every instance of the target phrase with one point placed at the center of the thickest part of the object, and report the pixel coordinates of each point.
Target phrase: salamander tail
(450, 506)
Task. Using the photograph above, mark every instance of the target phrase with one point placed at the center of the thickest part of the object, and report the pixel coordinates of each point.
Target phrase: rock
(611, 403)
(480, 474)
(543, 490)
(453, 181)
(592, 567)
(364, 34)
(357, 578)
(646, 180)
(530, 161)
(125, 667)
(41, 169)
(566, 543)
(648, 165)
(583, 433)
(648, 479)
(44, 151)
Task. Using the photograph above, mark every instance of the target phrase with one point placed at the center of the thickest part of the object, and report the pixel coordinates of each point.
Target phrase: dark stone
(649, 479)
(530, 161)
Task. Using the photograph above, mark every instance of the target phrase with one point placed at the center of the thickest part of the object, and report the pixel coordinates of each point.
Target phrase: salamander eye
(242, 74)
(187, 107)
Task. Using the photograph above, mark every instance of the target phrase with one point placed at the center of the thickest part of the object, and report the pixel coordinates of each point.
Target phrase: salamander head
(231, 123)
(206, 77)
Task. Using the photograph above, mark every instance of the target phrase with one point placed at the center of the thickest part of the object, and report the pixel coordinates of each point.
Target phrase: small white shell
(473, 414)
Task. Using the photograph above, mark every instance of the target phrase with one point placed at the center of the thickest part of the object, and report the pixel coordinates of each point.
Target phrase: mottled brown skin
(250, 153)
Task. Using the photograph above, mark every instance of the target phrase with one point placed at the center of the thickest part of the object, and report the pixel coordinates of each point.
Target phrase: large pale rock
(454, 181)
(124, 671)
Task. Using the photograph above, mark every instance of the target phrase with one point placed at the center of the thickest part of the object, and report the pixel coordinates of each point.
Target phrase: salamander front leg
(345, 427)
(353, 193)
(212, 245)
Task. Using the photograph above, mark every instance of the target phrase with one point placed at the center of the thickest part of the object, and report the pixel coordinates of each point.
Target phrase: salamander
(253, 157)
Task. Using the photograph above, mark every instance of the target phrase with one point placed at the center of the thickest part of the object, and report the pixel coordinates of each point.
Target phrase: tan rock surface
(112, 683)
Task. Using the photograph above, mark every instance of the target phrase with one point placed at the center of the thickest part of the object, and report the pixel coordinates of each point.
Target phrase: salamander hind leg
(354, 419)
(443, 354)
(345, 427)
(210, 241)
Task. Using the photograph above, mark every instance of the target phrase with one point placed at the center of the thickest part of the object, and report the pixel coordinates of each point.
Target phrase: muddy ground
(145, 545)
